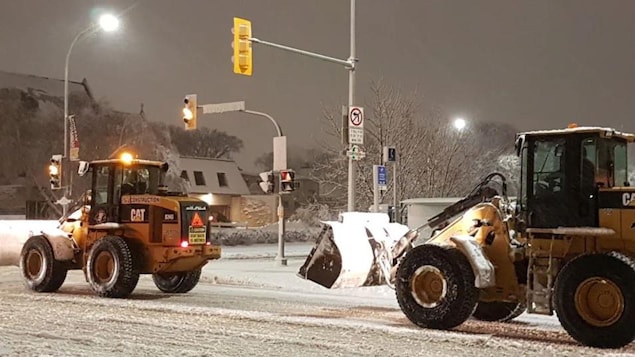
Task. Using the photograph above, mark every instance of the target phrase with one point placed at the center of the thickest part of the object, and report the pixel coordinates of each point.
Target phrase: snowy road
(251, 307)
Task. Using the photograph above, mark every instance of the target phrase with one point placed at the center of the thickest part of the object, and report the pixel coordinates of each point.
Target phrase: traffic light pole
(350, 65)
(240, 107)
(280, 258)
(351, 102)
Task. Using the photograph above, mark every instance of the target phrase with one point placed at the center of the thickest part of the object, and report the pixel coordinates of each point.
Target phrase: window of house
(199, 179)
(222, 179)
(184, 175)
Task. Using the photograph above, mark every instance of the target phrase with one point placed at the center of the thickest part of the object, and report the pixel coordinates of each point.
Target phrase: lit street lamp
(459, 124)
(107, 23)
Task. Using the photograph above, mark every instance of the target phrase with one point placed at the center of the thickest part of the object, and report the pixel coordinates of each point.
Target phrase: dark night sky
(534, 64)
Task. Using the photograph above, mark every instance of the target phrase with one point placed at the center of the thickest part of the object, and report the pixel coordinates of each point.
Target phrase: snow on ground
(248, 304)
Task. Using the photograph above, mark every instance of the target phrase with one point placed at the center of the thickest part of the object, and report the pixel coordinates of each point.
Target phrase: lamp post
(107, 23)
(459, 124)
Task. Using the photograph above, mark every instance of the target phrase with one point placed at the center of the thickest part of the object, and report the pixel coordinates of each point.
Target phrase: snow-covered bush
(231, 236)
(313, 213)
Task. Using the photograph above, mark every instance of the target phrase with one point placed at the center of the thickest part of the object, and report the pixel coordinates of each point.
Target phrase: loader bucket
(347, 253)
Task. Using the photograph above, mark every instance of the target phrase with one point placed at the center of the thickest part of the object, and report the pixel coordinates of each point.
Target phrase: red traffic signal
(287, 181)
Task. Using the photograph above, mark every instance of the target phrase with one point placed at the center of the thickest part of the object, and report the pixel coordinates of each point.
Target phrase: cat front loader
(127, 225)
(565, 245)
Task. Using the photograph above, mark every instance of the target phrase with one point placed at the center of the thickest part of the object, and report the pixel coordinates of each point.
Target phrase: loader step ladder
(541, 275)
(544, 265)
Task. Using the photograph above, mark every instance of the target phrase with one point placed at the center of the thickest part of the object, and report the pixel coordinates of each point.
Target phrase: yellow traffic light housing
(190, 112)
(55, 172)
(242, 57)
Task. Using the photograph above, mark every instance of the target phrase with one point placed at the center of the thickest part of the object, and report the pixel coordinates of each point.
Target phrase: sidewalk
(295, 250)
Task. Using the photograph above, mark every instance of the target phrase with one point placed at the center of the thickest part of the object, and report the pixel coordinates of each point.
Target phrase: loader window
(611, 161)
(100, 193)
(588, 167)
(141, 180)
(548, 166)
(523, 180)
(620, 166)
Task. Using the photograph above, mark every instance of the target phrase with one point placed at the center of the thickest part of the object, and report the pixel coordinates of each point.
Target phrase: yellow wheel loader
(565, 245)
(127, 225)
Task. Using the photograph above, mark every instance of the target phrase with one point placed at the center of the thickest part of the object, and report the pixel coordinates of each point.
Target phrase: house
(43, 88)
(218, 182)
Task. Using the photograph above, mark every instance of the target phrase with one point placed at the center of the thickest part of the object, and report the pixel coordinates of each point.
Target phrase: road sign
(355, 153)
(382, 177)
(279, 153)
(356, 136)
(74, 148)
(223, 107)
(356, 117)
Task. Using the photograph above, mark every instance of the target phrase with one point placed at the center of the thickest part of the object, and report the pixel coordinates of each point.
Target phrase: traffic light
(242, 57)
(190, 112)
(287, 183)
(267, 181)
(55, 172)
(389, 154)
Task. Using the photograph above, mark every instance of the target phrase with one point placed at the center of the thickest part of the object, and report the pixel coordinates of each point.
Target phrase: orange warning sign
(197, 221)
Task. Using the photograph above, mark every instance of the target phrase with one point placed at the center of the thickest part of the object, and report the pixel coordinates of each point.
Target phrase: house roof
(42, 86)
(216, 176)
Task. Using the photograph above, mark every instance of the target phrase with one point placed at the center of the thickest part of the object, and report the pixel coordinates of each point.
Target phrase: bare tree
(204, 142)
(434, 159)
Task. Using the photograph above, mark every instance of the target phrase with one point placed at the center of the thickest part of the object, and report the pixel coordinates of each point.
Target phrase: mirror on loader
(83, 168)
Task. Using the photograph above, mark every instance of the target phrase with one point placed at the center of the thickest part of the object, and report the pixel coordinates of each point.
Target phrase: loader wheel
(177, 283)
(594, 296)
(435, 287)
(110, 269)
(498, 311)
(41, 272)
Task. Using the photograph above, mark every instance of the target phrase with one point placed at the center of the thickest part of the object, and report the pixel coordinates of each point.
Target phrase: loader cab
(562, 172)
(113, 180)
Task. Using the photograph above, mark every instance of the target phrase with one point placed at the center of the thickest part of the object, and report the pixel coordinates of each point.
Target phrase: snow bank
(13, 234)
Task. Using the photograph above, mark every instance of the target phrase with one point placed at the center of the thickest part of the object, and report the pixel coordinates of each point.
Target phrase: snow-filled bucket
(354, 251)
(13, 234)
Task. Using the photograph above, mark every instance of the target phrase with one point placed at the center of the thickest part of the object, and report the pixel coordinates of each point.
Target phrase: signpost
(279, 159)
(355, 125)
(223, 107)
(380, 179)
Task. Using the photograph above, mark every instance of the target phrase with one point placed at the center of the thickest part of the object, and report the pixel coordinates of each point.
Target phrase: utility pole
(242, 60)
(279, 159)
(351, 102)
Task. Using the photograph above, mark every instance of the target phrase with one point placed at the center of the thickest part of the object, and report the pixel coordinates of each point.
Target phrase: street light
(107, 23)
(459, 124)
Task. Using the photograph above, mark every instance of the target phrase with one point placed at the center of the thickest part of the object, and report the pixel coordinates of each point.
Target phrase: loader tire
(40, 270)
(498, 311)
(435, 287)
(111, 270)
(594, 299)
(177, 283)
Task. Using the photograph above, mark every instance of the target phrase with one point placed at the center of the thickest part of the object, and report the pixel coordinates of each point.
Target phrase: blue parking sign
(382, 176)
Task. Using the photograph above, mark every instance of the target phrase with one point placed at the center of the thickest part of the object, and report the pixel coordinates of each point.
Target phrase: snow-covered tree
(434, 158)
